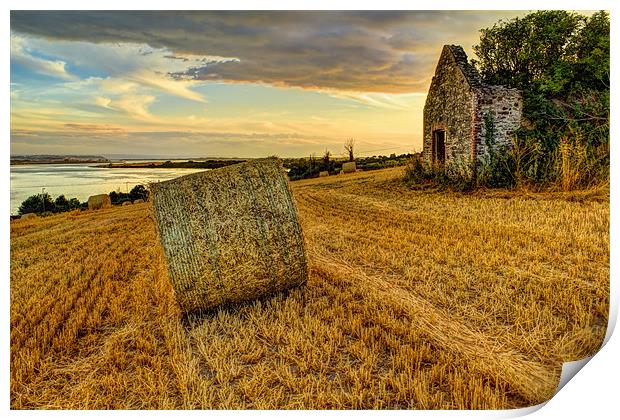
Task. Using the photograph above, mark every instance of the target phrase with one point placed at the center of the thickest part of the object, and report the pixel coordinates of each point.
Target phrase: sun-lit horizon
(227, 84)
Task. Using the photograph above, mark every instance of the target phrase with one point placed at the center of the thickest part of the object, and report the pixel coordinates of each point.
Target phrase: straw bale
(348, 167)
(100, 201)
(138, 201)
(26, 216)
(323, 173)
(230, 235)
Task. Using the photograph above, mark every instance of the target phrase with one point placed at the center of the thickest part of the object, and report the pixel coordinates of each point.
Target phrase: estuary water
(81, 180)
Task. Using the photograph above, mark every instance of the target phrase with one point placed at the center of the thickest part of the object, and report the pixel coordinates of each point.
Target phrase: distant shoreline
(54, 162)
(51, 159)
(190, 164)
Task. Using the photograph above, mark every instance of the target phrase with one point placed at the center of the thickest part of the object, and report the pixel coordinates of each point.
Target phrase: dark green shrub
(37, 203)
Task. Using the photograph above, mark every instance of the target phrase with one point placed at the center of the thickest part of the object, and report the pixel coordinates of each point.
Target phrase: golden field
(415, 299)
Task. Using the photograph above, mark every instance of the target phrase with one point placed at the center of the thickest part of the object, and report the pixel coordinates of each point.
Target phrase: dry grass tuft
(414, 300)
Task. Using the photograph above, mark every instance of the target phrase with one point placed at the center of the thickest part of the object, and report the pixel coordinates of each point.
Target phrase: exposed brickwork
(458, 102)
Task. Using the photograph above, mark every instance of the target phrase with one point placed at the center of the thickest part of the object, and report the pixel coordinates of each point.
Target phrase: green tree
(523, 50)
(37, 203)
(61, 204)
(114, 197)
(74, 204)
(560, 62)
(327, 163)
(139, 191)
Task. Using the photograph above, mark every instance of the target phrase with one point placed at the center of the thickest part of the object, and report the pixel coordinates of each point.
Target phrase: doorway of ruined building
(439, 147)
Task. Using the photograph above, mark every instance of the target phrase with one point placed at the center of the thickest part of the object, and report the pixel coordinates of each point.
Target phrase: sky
(227, 84)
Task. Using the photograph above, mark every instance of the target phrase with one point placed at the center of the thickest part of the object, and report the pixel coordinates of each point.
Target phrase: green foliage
(61, 203)
(560, 62)
(117, 197)
(139, 192)
(489, 130)
(37, 203)
(523, 50)
(509, 166)
(75, 204)
(44, 205)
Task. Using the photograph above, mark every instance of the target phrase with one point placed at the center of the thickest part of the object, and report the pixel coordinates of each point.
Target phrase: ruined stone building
(462, 114)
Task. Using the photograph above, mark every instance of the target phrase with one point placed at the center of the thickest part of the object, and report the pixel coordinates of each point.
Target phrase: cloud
(180, 88)
(126, 66)
(380, 100)
(137, 106)
(93, 127)
(22, 56)
(103, 102)
(372, 51)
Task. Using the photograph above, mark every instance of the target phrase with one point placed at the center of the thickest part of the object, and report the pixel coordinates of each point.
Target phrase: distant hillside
(32, 159)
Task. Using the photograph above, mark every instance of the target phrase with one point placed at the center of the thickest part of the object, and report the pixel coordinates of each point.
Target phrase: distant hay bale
(359, 170)
(126, 203)
(100, 201)
(348, 167)
(27, 216)
(323, 173)
(138, 201)
(230, 235)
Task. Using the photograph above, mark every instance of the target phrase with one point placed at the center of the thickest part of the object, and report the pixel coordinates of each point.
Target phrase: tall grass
(570, 165)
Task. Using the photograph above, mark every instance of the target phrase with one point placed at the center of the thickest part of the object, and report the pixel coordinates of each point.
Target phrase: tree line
(44, 204)
(312, 166)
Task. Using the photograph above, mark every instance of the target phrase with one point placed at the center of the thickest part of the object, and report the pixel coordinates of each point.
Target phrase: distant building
(460, 110)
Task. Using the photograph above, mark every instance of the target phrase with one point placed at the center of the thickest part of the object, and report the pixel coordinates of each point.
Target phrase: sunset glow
(245, 84)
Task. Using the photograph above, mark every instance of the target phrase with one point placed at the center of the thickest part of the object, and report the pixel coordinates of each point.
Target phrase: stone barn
(462, 114)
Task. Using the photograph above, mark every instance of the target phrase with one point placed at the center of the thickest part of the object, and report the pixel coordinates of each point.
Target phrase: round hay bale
(27, 216)
(126, 203)
(100, 201)
(230, 235)
(348, 167)
(138, 201)
(323, 173)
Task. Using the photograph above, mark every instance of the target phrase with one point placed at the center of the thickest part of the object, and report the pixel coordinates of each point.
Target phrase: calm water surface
(81, 181)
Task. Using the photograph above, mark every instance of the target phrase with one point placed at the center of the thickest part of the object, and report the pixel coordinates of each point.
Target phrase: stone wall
(449, 107)
(504, 105)
(458, 102)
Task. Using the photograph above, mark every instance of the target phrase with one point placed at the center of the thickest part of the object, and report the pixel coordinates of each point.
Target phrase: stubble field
(415, 300)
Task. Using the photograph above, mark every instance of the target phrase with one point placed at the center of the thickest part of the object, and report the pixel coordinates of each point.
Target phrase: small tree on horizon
(349, 145)
(326, 157)
(312, 160)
